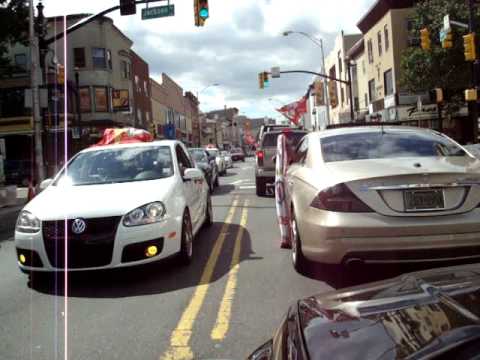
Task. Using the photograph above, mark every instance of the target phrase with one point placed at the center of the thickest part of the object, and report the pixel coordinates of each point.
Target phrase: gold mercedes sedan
(381, 195)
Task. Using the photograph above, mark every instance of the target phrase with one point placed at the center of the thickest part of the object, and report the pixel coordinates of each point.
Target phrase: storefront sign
(120, 100)
(390, 101)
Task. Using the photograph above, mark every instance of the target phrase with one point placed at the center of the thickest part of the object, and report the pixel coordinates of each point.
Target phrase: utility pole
(35, 78)
(350, 88)
(473, 105)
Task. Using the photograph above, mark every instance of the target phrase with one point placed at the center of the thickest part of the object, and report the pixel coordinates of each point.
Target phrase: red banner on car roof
(295, 110)
(124, 136)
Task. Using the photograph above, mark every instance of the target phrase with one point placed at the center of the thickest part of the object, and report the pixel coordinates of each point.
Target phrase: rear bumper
(265, 175)
(337, 237)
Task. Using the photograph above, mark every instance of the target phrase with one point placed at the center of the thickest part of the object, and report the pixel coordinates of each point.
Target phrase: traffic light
(60, 74)
(263, 80)
(425, 39)
(128, 7)
(319, 93)
(201, 11)
(447, 42)
(471, 95)
(469, 47)
(332, 93)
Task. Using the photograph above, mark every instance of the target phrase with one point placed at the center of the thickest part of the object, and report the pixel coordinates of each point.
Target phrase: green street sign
(158, 11)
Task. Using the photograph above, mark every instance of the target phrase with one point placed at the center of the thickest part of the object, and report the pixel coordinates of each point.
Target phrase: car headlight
(264, 352)
(146, 214)
(27, 223)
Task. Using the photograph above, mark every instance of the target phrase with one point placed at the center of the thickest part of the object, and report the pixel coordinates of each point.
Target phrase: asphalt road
(224, 305)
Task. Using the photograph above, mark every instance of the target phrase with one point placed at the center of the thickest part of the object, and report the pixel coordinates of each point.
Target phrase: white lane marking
(247, 187)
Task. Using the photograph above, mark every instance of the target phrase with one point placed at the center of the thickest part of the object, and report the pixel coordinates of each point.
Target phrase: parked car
(220, 161)
(238, 154)
(123, 205)
(383, 194)
(207, 164)
(265, 163)
(228, 158)
(431, 314)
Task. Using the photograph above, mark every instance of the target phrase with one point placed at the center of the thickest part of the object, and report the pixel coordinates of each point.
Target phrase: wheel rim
(294, 241)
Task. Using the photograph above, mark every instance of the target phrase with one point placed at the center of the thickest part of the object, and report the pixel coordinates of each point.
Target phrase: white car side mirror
(45, 183)
(192, 174)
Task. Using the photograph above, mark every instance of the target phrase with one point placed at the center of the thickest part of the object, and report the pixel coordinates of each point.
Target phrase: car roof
(369, 129)
(169, 143)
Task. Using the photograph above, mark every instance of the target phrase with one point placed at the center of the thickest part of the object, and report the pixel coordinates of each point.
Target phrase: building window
(356, 103)
(370, 51)
(101, 102)
(21, 61)
(388, 82)
(379, 36)
(145, 87)
(147, 114)
(85, 100)
(342, 96)
(126, 70)
(99, 58)
(109, 59)
(340, 66)
(366, 100)
(371, 90)
(387, 39)
(79, 59)
(364, 69)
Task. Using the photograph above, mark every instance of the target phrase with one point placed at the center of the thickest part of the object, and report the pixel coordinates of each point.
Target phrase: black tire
(300, 263)
(186, 247)
(209, 213)
(260, 186)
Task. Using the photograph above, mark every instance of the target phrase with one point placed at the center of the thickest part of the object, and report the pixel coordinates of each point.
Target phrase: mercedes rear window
(387, 145)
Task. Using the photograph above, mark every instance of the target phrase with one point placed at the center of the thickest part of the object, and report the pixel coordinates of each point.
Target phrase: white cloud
(239, 39)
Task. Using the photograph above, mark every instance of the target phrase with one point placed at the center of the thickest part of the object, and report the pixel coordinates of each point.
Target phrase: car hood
(414, 314)
(56, 202)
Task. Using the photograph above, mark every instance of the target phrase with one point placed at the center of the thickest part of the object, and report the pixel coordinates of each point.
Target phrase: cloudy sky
(240, 39)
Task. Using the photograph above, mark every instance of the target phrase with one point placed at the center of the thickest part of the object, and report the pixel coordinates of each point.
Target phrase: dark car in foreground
(433, 314)
(206, 163)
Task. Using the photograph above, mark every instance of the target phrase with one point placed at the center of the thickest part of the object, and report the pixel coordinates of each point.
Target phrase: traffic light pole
(473, 105)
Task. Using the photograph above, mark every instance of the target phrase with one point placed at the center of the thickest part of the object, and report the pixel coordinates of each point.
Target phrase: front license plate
(424, 200)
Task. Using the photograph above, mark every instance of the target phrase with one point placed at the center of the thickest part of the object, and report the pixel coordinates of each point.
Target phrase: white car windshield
(107, 166)
(387, 145)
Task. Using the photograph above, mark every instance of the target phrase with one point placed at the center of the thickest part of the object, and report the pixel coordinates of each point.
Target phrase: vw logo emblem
(78, 226)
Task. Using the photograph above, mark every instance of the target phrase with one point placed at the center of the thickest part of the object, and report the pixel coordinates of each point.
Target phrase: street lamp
(198, 99)
(318, 42)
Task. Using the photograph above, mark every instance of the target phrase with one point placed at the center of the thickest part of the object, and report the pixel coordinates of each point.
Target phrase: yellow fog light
(22, 259)
(151, 251)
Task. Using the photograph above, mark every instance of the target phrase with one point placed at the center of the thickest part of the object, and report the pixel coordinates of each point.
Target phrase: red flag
(295, 110)
(124, 136)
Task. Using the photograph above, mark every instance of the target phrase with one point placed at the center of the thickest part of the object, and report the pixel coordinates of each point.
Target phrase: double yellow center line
(179, 348)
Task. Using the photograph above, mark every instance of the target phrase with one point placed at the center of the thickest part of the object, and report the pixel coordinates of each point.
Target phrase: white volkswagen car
(115, 206)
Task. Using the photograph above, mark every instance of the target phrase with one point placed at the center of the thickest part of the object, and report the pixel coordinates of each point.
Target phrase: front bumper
(335, 238)
(128, 246)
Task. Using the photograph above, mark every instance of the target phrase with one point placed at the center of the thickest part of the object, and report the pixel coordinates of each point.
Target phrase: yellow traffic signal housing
(260, 81)
(319, 93)
(201, 11)
(60, 74)
(439, 95)
(425, 41)
(471, 95)
(266, 80)
(447, 43)
(469, 47)
(332, 93)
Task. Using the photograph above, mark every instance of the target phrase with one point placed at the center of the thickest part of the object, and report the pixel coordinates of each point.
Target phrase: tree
(13, 28)
(444, 68)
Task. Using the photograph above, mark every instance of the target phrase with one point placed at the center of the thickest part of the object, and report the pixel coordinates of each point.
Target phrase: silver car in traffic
(381, 195)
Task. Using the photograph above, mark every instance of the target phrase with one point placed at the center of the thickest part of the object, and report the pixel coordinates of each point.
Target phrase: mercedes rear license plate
(424, 200)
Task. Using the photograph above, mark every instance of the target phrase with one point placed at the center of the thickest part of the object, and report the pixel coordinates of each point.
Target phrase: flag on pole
(295, 110)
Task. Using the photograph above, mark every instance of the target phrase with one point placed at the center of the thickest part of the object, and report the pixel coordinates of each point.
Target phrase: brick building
(142, 109)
